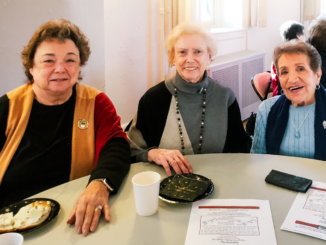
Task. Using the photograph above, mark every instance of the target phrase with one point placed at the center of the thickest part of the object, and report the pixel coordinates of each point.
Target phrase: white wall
(124, 38)
(19, 19)
(230, 42)
(131, 52)
(123, 32)
(266, 38)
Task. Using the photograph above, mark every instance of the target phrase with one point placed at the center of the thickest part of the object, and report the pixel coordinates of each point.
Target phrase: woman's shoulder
(4, 100)
(266, 105)
(221, 91)
(219, 87)
(21, 91)
(156, 93)
(86, 92)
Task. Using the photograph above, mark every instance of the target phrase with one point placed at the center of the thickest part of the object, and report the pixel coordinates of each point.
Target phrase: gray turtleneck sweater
(155, 124)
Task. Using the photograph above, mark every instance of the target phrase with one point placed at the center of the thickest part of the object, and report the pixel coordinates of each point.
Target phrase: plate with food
(185, 188)
(28, 215)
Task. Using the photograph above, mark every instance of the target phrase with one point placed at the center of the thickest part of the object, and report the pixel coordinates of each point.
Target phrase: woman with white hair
(188, 113)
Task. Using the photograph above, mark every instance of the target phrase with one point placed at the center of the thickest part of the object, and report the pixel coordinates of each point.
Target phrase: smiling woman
(188, 113)
(293, 124)
(297, 79)
(55, 71)
(191, 57)
(54, 129)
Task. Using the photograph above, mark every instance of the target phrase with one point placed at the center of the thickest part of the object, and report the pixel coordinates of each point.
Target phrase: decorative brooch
(83, 123)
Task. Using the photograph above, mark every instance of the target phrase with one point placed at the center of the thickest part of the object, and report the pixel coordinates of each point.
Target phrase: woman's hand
(85, 213)
(163, 157)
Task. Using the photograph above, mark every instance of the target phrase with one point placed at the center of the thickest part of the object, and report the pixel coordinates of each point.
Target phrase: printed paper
(308, 212)
(231, 221)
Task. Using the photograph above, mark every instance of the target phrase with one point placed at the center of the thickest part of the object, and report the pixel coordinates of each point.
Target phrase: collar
(184, 86)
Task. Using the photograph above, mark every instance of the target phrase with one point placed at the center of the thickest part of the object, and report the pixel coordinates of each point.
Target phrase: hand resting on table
(164, 157)
(85, 213)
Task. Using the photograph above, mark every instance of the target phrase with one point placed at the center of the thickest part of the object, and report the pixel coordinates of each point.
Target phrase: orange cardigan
(83, 140)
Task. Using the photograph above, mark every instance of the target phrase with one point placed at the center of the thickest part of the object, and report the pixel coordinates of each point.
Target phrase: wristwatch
(105, 183)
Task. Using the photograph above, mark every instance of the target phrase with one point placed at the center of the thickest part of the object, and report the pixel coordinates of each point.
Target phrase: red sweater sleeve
(107, 123)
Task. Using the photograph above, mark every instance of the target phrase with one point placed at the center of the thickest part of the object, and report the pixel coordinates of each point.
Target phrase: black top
(46, 141)
(43, 158)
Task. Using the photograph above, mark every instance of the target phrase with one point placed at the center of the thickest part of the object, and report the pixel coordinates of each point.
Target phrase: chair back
(261, 83)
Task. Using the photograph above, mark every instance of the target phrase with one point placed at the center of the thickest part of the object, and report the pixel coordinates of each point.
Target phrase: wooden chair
(261, 83)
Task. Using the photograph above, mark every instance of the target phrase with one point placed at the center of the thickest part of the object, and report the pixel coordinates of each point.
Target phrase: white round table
(236, 176)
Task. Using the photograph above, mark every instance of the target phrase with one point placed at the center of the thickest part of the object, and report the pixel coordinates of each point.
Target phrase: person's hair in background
(317, 33)
(55, 29)
(190, 28)
(292, 30)
(317, 38)
(298, 47)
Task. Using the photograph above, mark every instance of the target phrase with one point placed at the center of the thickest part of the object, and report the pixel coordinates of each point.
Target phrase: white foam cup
(146, 188)
(11, 239)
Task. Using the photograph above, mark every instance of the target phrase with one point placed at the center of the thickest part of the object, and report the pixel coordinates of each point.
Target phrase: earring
(317, 86)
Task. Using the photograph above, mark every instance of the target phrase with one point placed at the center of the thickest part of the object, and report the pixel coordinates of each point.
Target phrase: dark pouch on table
(288, 181)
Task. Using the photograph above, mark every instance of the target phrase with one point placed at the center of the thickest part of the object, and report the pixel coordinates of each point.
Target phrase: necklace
(202, 90)
(297, 133)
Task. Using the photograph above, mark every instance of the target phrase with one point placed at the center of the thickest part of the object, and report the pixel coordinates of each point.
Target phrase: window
(207, 11)
(221, 13)
(323, 7)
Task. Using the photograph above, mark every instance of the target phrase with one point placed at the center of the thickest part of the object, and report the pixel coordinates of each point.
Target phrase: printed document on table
(308, 212)
(231, 221)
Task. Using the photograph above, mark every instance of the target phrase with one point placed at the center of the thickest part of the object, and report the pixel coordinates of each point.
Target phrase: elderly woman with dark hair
(54, 129)
(293, 124)
(317, 38)
(289, 30)
(188, 113)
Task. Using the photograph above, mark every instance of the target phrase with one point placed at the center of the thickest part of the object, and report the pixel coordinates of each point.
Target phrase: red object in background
(275, 80)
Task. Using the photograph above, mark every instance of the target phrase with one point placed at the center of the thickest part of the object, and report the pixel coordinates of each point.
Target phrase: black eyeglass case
(288, 181)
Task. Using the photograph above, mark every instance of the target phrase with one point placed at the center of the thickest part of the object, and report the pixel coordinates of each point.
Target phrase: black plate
(55, 208)
(165, 181)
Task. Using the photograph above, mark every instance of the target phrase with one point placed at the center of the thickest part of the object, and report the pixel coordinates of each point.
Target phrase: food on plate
(27, 217)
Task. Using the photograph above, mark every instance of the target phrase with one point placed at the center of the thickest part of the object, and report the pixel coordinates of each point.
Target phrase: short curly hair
(61, 30)
(298, 47)
(190, 28)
